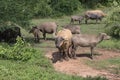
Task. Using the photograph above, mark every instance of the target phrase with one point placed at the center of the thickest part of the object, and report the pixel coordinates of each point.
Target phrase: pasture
(107, 58)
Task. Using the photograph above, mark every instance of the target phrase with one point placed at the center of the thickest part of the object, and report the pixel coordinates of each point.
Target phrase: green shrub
(113, 25)
(113, 29)
(15, 11)
(19, 51)
(66, 7)
(42, 9)
(99, 3)
(7, 25)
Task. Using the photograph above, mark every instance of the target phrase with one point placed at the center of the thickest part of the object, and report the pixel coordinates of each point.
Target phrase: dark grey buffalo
(94, 15)
(76, 18)
(10, 34)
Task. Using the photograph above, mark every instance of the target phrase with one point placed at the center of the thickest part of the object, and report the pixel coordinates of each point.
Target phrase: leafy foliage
(113, 26)
(42, 9)
(19, 51)
(20, 12)
(65, 6)
(113, 29)
(99, 3)
(15, 11)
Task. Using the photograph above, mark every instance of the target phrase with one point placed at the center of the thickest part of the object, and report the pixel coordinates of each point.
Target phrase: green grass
(112, 65)
(37, 68)
(111, 44)
(40, 68)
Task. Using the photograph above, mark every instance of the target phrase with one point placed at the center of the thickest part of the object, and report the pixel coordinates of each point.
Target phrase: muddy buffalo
(63, 42)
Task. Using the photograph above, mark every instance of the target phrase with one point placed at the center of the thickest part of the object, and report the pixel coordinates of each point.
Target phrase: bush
(113, 26)
(66, 7)
(42, 9)
(15, 11)
(7, 25)
(99, 3)
(19, 51)
(113, 29)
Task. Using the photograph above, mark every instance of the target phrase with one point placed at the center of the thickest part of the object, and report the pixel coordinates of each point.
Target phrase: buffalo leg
(70, 51)
(38, 38)
(79, 21)
(92, 52)
(61, 55)
(66, 55)
(44, 36)
(71, 21)
(86, 20)
(96, 21)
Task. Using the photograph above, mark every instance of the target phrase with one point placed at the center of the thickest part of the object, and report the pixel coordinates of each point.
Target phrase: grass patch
(112, 44)
(37, 68)
(40, 68)
(112, 65)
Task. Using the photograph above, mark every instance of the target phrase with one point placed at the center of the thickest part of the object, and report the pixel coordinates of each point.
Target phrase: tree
(17, 11)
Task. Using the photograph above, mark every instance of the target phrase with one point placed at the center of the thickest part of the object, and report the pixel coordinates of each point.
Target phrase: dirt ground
(78, 66)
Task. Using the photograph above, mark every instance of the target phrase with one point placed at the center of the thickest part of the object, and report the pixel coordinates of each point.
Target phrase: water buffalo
(94, 15)
(76, 18)
(75, 29)
(48, 27)
(63, 42)
(87, 41)
(36, 33)
(10, 34)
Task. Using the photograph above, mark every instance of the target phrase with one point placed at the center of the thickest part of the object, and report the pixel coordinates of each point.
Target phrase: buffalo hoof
(66, 59)
(61, 60)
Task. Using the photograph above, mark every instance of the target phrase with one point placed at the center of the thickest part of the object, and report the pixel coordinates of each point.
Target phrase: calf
(76, 18)
(36, 34)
